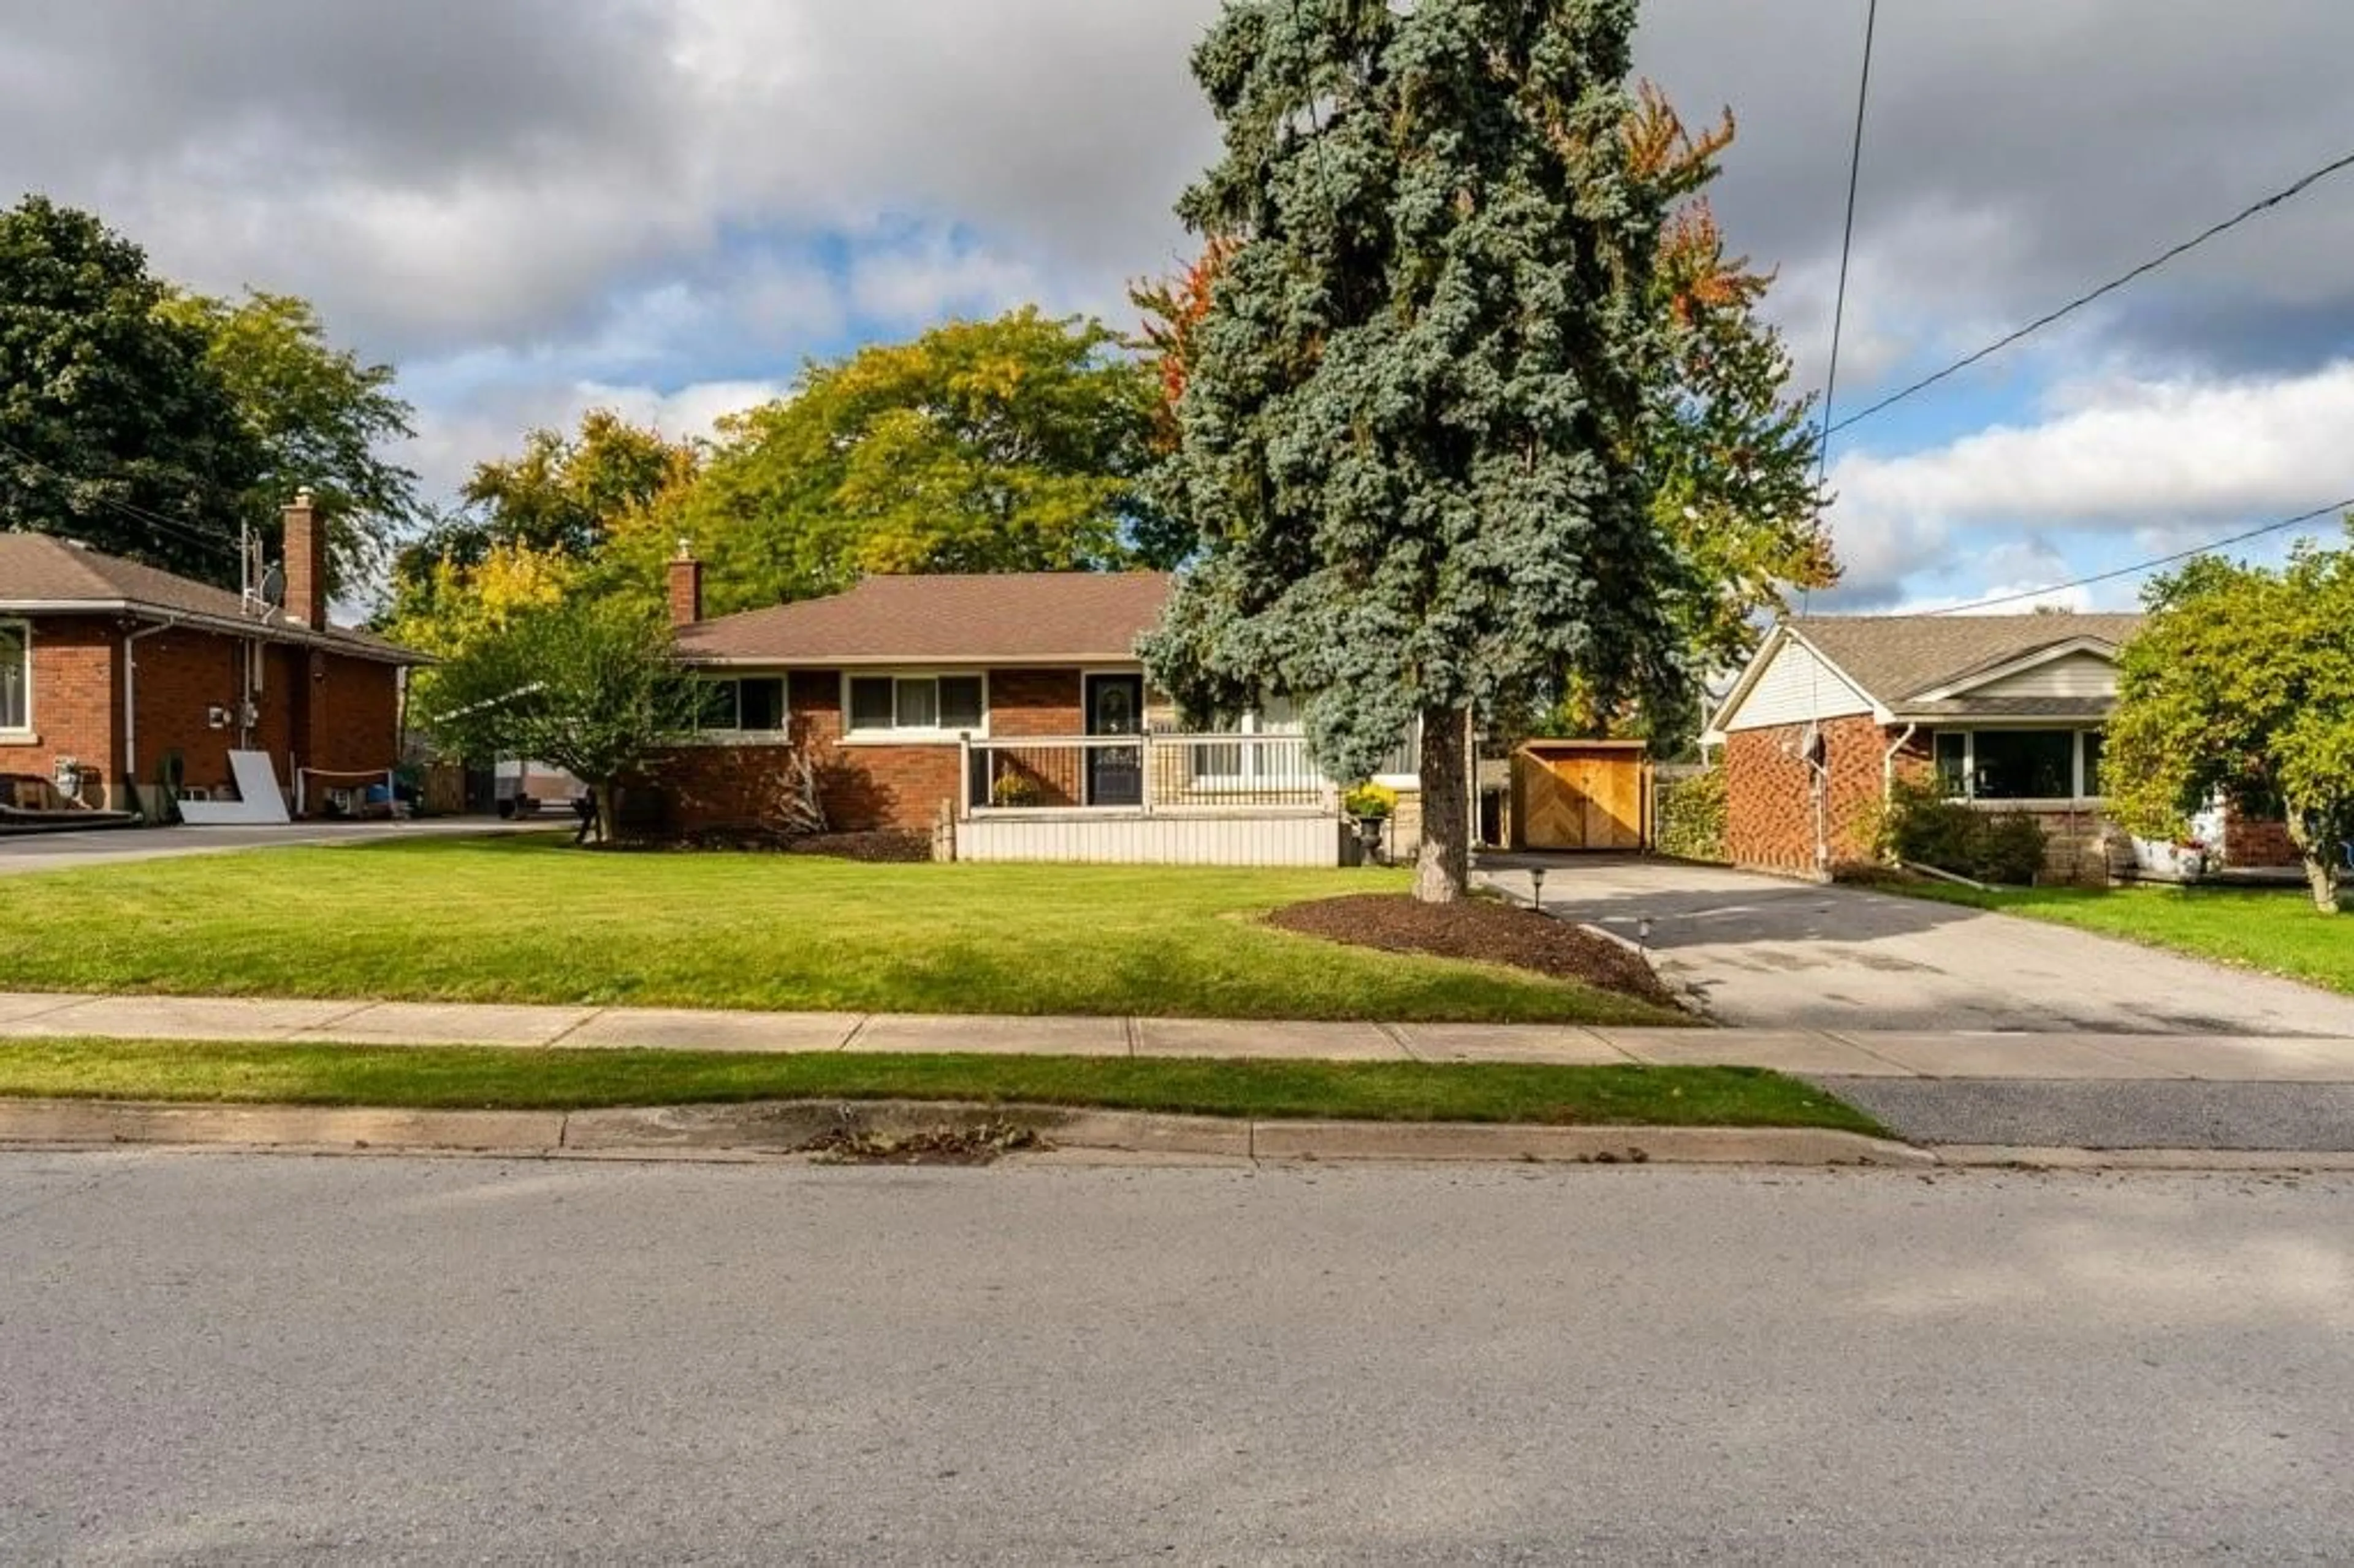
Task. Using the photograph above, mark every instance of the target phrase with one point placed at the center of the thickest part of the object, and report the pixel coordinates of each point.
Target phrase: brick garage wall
(77, 706)
(1769, 797)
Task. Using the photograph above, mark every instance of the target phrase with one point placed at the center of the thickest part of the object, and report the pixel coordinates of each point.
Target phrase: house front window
(15, 675)
(882, 706)
(751, 704)
(2019, 763)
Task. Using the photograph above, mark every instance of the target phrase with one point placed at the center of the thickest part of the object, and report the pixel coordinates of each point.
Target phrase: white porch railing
(1144, 775)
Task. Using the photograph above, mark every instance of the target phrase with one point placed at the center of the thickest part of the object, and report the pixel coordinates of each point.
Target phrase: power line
(2314, 516)
(1847, 241)
(2286, 193)
(214, 537)
(1819, 789)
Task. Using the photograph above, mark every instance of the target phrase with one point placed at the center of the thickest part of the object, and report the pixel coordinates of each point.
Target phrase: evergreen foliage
(1411, 436)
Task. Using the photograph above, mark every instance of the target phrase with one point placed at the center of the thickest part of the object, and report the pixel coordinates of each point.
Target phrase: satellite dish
(274, 586)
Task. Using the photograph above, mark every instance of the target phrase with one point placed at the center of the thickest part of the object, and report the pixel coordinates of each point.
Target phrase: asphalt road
(252, 1359)
(1768, 953)
(2122, 1113)
(22, 853)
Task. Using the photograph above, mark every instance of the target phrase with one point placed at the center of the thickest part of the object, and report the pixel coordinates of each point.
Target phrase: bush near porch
(526, 920)
(1920, 827)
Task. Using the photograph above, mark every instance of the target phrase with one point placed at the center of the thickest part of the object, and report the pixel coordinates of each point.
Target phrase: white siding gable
(2077, 675)
(1795, 687)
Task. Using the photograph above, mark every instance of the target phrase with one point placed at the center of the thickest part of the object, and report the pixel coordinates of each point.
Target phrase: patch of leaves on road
(1482, 929)
(981, 1144)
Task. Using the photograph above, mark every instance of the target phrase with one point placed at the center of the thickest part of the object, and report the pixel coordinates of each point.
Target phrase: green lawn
(532, 920)
(445, 1078)
(2275, 929)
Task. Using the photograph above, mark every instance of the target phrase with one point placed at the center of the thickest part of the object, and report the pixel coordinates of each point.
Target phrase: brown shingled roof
(1894, 657)
(39, 572)
(1012, 616)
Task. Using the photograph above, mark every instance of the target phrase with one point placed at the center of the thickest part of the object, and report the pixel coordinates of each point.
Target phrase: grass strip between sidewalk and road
(490, 1078)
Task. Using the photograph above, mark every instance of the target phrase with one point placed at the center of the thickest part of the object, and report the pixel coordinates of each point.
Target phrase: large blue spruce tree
(1411, 438)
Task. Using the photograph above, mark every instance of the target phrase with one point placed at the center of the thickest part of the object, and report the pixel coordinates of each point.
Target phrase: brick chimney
(685, 586)
(306, 562)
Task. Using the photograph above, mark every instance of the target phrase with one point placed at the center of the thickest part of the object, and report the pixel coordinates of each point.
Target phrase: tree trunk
(2321, 876)
(1442, 872)
(2318, 849)
(607, 796)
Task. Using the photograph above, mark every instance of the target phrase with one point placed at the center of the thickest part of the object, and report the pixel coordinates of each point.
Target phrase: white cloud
(452, 438)
(2153, 461)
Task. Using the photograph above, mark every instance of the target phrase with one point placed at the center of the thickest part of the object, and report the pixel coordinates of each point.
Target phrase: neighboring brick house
(2007, 711)
(981, 697)
(122, 670)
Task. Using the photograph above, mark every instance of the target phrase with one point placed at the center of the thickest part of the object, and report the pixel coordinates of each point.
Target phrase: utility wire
(1846, 244)
(1820, 769)
(2285, 193)
(210, 536)
(2314, 516)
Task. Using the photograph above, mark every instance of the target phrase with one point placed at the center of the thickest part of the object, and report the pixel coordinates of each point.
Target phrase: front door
(1115, 706)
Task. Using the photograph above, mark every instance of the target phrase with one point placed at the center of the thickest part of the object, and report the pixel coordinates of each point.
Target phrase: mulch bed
(1478, 929)
(891, 848)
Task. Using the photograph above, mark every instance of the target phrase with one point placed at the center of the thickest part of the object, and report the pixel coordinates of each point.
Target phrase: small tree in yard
(1411, 431)
(592, 686)
(2242, 685)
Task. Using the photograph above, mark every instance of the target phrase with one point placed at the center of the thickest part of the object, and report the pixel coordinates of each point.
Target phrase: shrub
(1015, 790)
(2012, 848)
(1371, 801)
(1688, 816)
(1921, 827)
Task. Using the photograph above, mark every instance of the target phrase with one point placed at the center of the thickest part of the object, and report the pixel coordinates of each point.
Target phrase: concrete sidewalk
(1814, 1053)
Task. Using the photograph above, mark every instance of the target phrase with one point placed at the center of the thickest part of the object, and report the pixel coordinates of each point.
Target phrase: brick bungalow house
(1012, 706)
(115, 668)
(2006, 711)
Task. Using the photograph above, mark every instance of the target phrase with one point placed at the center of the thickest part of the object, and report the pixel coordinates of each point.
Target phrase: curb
(2011, 1157)
(786, 1127)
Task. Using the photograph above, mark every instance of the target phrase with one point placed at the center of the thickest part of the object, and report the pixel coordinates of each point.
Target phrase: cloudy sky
(534, 206)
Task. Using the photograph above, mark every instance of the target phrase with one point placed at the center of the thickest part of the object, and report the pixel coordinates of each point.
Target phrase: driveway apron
(1761, 952)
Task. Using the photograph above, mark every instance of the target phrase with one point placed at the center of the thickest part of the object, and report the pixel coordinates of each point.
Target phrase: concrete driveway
(1766, 953)
(21, 852)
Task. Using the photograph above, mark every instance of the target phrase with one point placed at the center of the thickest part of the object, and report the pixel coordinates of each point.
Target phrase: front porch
(1147, 798)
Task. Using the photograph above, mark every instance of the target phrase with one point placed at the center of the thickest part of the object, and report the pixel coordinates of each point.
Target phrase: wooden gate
(1581, 795)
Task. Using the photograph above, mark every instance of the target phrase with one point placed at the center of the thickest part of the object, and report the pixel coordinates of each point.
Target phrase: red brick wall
(864, 787)
(354, 719)
(77, 698)
(179, 676)
(1769, 794)
(332, 711)
(1035, 701)
(2257, 841)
